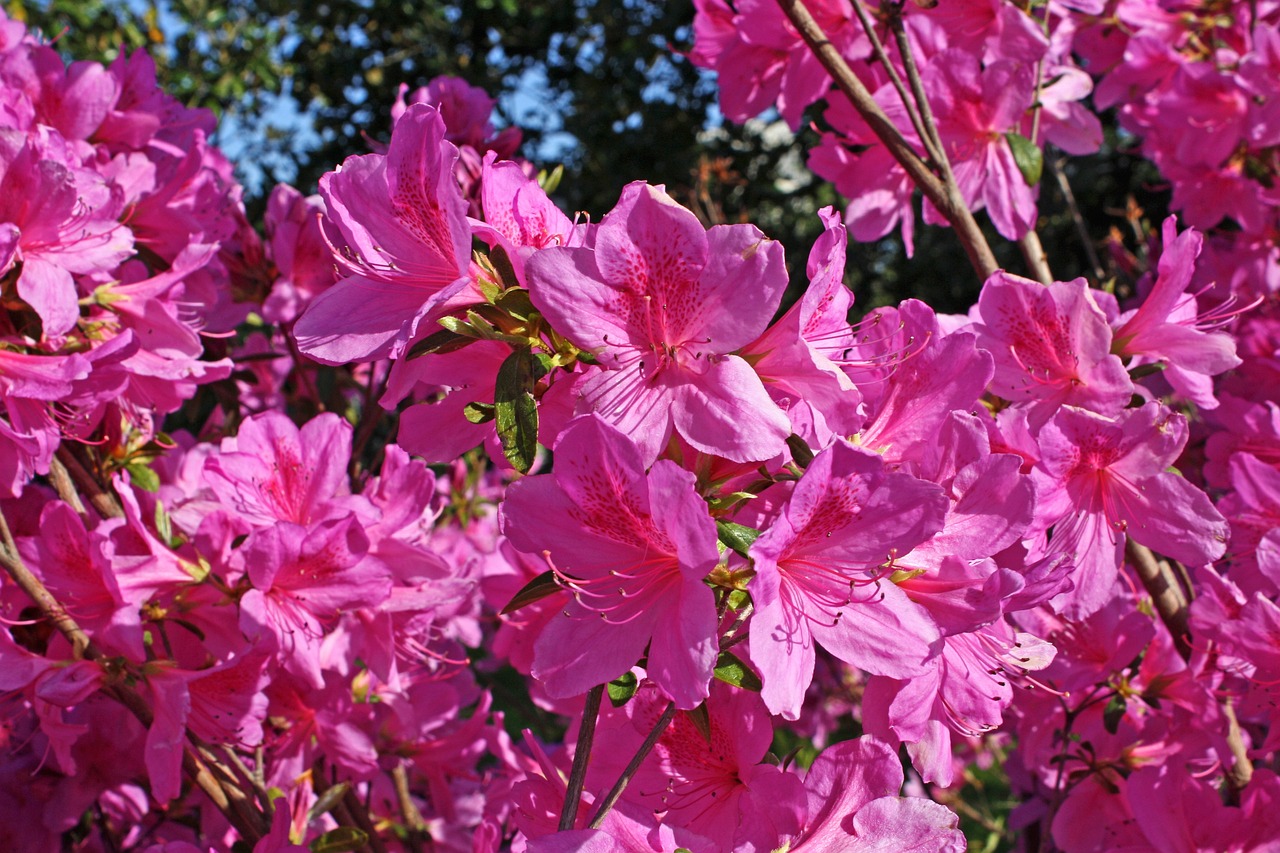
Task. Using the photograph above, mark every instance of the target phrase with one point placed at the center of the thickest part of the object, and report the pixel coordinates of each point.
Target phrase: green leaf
(344, 839)
(622, 688)
(800, 452)
(328, 800)
(1028, 156)
(479, 413)
(1146, 369)
(737, 537)
(142, 476)
(551, 181)
(515, 410)
(731, 670)
(1114, 713)
(163, 525)
(502, 265)
(537, 589)
(441, 342)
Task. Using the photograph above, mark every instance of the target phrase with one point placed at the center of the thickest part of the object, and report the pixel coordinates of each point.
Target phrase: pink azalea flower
(76, 566)
(303, 578)
(1052, 346)
(974, 108)
(304, 263)
(791, 356)
(1103, 480)
(404, 221)
(663, 305)
(819, 575)
(273, 471)
(633, 547)
(712, 790)
(1168, 326)
(855, 806)
(58, 221)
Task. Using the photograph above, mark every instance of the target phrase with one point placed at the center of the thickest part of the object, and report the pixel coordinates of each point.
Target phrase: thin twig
(621, 785)
(1033, 254)
(922, 101)
(945, 198)
(1161, 584)
(50, 607)
(1241, 770)
(581, 754)
(60, 478)
(360, 812)
(1064, 186)
(102, 500)
(913, 113)
(413, 820)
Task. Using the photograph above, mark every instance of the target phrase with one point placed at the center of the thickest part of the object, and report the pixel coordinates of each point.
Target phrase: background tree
(601, 86)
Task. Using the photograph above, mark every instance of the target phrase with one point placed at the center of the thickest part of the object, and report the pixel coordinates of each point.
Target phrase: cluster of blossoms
(122, 240)
(1000, 81)
(619, 470)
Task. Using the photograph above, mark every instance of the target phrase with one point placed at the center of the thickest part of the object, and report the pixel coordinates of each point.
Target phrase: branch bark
(943, 196)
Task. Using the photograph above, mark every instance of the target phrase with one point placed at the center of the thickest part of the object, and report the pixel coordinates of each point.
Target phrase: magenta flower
(303, 579)
(633, 548)
(1052, 346)
(855, 806)
(821, 575)
(57, 221)
(714, 791)
(1168, 327)
(975, 108)
(273, 471)
(404, 221)
(1103, 480)
(663, 304)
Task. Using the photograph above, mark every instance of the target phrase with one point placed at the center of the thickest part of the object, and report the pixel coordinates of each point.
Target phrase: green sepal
(143, 477)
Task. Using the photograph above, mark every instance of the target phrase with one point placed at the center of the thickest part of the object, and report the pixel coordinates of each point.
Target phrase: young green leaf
(1028, 156)
(731, 670)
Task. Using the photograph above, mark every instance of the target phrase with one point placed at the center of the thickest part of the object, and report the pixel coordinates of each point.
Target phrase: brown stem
(1241, 771)
(60, 478)
(413, 819)
(50, 607)
(636, 760)
(917, 91)
(1162, 585)
(578, 774)
(100, 499)
(882, 56)
(945, 198)
(84, 647)
(1033, 254)
(360, 812)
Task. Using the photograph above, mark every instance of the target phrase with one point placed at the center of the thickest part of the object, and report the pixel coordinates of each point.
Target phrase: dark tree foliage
(600, 85)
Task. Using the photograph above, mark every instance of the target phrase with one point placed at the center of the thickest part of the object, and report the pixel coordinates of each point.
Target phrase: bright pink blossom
(633, 547)
(408, 245)
(663, 304)
(821, 575)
